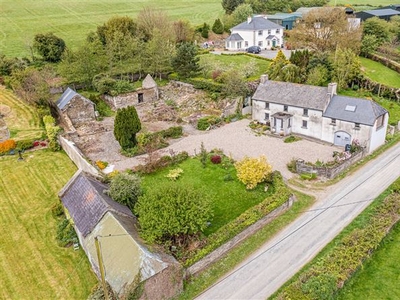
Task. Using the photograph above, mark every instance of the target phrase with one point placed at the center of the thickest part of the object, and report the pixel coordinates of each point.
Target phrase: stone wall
(219, 252)
(328, 172)
(130, 99)
(79, 111)
(77, 157)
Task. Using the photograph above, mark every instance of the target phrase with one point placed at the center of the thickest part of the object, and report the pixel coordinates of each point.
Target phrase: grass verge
(210, 276)
(32, 265)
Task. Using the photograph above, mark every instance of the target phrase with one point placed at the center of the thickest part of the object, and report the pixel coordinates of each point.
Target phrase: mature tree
(258, 6)
(274, 70)
(291, 73)
(125, 189)
(346, 67)
(172, 212)
(31, 85)
(395, 28)
(125, 26)
(8, 64)
(186, 62)
(204, 30)
(230, 5)
(229, 22)
(126, 126)
(234, 84)
(318, 76)
(150, 20)
(158, 54)
(325, 29)
(82, 65)
(369, 44)
(242, 12)
(218, 27)
(378, 28)
(49, 46)
(184, 32)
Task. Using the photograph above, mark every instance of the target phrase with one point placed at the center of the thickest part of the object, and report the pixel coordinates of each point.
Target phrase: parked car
(254, 49)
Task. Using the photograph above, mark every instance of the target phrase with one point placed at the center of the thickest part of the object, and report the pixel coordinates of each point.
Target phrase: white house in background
(257, 31)
(318, 112)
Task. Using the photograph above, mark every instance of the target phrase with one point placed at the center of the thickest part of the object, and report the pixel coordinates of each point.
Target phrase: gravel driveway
(238, 140)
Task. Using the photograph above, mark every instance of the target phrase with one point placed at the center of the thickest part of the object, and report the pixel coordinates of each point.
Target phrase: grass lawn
(20, 118)
(32, 266)
(73, 20)
(379, 278)
(229, 198)
(362, 3)
(380, 73)
(238, 62)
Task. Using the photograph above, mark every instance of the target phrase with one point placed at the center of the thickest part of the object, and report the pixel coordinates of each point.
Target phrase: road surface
(282, 257)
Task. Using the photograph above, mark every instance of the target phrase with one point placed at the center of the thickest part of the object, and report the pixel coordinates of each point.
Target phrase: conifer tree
(126, 125)
(186, 63)
(217, 27)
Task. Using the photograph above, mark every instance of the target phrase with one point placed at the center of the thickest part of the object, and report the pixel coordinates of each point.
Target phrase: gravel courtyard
(238, 140)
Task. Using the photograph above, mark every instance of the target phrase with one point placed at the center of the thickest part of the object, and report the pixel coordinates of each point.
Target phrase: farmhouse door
(342, 138)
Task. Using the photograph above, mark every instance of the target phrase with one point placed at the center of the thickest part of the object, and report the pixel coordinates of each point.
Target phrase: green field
(213, 62)
(21, 119)
(362, 2)
(32, 266)
(380, 73)
(72, 20)
(379, 278)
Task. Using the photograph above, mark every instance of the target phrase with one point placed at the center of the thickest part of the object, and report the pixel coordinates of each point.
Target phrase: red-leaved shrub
(216, 159)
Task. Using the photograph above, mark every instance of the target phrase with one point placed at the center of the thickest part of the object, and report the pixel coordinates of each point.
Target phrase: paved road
(280, 258)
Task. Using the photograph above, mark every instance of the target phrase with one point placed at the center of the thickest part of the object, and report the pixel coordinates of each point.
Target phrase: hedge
(323, 279)
(205, 84)
(252, 215)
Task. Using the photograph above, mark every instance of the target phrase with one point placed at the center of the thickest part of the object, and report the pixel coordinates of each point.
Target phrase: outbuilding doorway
(342, 138)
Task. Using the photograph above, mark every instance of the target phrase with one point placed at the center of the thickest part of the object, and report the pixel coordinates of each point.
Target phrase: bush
(172, 212)
(291, 139)
(52, 132)
(66, 234)
(7, 146)
(174, 174)
(172, 132)
(205, 122)
(292, 165)
(215, 159)
(204, 84)
(252, 171)
(125, 189)
(27, 144)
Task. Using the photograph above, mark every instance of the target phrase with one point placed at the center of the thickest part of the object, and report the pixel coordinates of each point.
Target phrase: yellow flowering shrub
(101, 164)
(174, 174)
(252, 171)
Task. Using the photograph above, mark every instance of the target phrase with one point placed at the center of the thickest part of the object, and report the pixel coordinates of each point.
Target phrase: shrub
(7, 146)
(101, 164)
(65, 232)
(126, 126)
(172, 132)
(52, 132)
(291, 139)
(125, 189)
(252, 171)
(215, 159)
(172, 212)
(292, 165)
(203, 155)
(174, 174)
(218, 27)
(205, 122)
(308, 176)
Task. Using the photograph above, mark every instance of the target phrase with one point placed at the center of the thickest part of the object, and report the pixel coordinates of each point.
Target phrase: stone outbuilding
(147, 93)
(74, 109)
(126, 261)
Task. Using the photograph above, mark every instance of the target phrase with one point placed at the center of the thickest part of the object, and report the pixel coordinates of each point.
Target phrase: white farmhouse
(318, 112)
(256, 31)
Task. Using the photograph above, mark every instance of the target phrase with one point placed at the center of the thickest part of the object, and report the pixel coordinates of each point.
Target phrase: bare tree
(325, 29)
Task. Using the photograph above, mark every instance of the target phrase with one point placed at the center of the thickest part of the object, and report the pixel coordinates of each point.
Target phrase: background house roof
(234, 37)
(86, 203)
(382, 12)
(67, 96)
(365, 112)
(286, 93)
(258, 23)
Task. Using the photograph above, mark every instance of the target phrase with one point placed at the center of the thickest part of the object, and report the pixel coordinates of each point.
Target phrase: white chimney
(264, 78)
(332, 89)
(248, 19)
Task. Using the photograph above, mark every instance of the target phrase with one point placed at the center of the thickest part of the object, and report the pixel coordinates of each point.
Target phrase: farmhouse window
(260, 43)
(357, 126)
(277, 31)
(379, 121)
(333, 121)
(269, 31)
(305, 112)
(304, 124)
(289, 123)
(266, 105)
(260, 32)
(246, 44)
(285, 108)
(266, 117)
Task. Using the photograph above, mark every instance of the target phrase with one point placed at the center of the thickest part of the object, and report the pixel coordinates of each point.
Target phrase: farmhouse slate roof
(234, 37)
(286, 93)
(257, 23)
(86, 203)
(382, 12)
(366, 111)
(67, 96)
